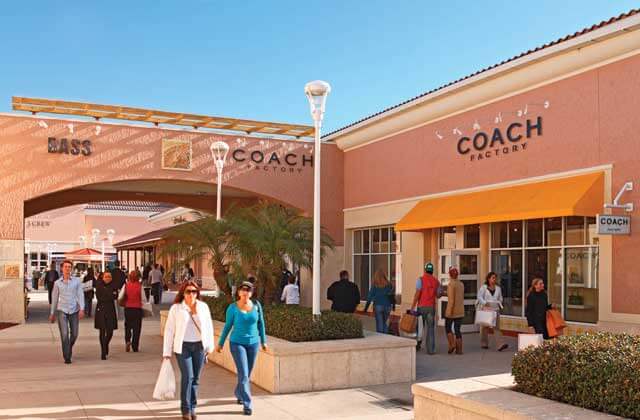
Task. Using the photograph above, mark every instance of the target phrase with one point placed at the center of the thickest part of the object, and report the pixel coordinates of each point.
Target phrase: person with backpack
(425, 299)
(455, 311)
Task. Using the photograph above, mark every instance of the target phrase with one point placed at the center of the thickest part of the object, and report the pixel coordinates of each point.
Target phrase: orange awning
(581, 195)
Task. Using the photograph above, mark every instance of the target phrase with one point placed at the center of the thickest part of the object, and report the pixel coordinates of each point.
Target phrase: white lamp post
(316, 92)
(110, 234)
(219, 151)
(94, 237)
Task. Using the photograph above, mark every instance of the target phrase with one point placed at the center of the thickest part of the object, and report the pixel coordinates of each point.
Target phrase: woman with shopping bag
(537, 307)
(490, 299)
(189, 335)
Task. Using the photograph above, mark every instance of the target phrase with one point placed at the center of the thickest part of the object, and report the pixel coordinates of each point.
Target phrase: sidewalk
(37, 385)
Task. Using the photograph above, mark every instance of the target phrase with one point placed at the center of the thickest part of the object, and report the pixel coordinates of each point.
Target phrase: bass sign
(73, 147)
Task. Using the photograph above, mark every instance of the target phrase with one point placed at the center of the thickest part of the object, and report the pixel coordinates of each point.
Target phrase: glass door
(468, 264)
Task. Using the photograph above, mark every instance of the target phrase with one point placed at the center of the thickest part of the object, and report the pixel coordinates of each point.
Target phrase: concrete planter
(288, 367)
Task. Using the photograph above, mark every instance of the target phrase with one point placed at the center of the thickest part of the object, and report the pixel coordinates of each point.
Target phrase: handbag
(408, 322)
(122, 296)
(529, 340)
(486, 318)
(555, 323)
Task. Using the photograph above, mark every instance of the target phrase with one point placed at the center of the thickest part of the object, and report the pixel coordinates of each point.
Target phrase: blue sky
(251, 59)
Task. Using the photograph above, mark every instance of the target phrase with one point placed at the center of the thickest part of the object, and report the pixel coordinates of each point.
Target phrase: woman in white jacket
(189, 334)
(490, 298)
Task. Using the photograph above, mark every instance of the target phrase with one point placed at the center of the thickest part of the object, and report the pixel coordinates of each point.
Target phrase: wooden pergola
(115, 112)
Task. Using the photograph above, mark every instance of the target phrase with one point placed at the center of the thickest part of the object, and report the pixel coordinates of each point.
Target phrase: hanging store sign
(613, 225)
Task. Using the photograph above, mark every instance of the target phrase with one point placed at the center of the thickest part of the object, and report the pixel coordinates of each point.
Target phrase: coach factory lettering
(483, 145)
(272, 161)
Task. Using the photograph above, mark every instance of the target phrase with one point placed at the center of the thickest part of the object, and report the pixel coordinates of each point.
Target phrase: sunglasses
(191, 291)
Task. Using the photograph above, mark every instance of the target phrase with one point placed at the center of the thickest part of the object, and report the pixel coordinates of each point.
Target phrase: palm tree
(205, 238)
(266, 236)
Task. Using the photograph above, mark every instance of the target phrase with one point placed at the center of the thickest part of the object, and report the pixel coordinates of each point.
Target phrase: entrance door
(468, 264)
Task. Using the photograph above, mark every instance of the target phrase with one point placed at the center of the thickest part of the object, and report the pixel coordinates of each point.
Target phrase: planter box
(320, 365)
(488, 397)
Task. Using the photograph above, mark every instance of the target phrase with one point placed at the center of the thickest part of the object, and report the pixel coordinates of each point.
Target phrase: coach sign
(613, 225)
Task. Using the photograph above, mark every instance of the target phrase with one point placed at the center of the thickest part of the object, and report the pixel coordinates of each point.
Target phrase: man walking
(119, 278)
(156, 284)
(344, 294)
(50, 278)
(425, 300)
(68, 301)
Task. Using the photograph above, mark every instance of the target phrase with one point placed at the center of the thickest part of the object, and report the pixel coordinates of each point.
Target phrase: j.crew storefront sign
(500, 142)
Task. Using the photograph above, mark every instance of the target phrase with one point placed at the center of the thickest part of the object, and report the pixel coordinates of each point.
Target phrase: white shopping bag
(166, 384)
(147, 309)
(527, 340)
(486, 318)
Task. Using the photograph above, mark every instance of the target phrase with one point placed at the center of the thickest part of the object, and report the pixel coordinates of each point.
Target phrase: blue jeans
(382, 316)
(244, 355)
(68, 325)
(428, 314)
(190, 362)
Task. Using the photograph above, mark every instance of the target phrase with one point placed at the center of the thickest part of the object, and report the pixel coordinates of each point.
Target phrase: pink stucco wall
(592, 119)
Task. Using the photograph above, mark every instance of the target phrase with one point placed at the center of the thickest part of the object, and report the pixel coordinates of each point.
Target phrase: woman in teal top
(245, 321)
(382, 296)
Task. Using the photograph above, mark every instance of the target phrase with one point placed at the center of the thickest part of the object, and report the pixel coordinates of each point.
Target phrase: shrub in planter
(595, 371)
(295, 323)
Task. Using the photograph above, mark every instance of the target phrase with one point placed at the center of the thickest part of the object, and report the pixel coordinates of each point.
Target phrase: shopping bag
(147, 309)
(486, 318)
(122, 296)
(166, 384)
(555, 323)
(408, 322)
(528, 340)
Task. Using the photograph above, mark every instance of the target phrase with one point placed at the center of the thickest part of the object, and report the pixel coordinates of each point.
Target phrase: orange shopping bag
(555, 323)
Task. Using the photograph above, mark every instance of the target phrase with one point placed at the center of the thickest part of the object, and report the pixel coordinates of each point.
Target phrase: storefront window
(499, 235)
(515, 234)
(560, 256)
(448, 237)
(576, 234)
(534, 232)
(508, 267)
(472, 236)
(373, 249)
(553, 231)
(581, 292)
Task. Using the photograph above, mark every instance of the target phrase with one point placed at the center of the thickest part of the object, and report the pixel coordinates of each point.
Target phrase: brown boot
(452, 342)
(458, 345)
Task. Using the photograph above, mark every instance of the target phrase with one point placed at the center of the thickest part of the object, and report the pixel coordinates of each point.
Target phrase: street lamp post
(316, 92)
(219, 151)
(110, 234)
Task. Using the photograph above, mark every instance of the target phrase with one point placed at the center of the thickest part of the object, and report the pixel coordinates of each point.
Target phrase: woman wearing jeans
(246, 319)
(455, 311)
(188, 334)
(381, 295)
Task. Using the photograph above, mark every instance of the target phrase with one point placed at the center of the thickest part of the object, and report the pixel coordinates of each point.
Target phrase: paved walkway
(37, 385)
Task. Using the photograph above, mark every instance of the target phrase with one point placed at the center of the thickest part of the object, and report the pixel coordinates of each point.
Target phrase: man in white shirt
(291, 293)
(156, 283)
(67, 303)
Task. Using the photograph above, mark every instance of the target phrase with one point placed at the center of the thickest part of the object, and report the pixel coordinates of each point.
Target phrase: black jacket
(345, 296)
(537, 306)
(119, 277)
(50, 278)
(106, 295)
